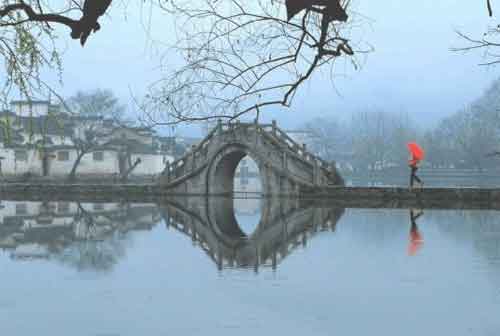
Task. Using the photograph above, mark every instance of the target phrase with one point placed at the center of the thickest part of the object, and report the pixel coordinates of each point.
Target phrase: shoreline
(346, 197)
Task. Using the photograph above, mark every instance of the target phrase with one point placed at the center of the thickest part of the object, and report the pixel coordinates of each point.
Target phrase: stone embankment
(91, 192)
(390, 197)
(345, 197)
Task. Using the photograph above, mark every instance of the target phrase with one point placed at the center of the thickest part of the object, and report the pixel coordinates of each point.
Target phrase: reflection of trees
(95, 255)
(103, 237)
(480, 229)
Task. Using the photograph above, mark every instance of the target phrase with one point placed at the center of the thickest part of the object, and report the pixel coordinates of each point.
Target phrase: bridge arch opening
(236, 172)
(247, 178)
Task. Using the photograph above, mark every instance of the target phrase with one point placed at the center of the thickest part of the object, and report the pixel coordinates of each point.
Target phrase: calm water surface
(291, 269)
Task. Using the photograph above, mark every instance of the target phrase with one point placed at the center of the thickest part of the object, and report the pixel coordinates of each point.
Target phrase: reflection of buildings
(55, 229)
(247, 206)
(92, 236)
(247, 178)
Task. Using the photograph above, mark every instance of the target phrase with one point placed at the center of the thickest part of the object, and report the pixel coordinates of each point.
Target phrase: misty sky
(411, 68)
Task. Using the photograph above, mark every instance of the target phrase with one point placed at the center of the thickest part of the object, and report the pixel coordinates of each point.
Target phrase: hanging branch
(33, 16)
(242, 57)
(80, 29)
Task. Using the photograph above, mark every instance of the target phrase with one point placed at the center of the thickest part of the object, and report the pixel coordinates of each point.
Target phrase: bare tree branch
(32, 16)
(241, 57)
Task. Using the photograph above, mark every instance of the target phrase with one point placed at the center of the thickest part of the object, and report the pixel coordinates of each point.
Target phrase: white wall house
(38, 143)
(96, 163)
(20, 161)
(33, 108)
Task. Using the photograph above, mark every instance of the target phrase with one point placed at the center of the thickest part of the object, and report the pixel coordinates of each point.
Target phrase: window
(21, 155)
(21, 209)
(98, 156)
(63, 156)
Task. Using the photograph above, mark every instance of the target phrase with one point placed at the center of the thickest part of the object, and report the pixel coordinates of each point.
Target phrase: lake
(246, 267)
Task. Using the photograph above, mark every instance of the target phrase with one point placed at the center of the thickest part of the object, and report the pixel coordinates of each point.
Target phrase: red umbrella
(416, 151)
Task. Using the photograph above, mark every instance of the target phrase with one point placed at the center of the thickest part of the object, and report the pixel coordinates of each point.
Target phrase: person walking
(413, 175)
(416, 155)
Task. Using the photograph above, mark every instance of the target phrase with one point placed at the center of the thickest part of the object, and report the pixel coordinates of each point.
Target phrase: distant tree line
(376, 139)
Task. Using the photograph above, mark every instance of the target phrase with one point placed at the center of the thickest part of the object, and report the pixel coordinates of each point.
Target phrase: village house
(39, 139)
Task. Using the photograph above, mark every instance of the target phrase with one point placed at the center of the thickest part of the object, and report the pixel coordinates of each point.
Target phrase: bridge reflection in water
(285, 224)
(92, 236)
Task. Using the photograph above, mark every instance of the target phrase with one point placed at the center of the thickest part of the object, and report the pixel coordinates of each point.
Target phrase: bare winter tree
(372, 140)
(328, 137)
(97, 103)
(488, 43)
(90, 135)
(92, 112)
(245, 56)
(240, 56)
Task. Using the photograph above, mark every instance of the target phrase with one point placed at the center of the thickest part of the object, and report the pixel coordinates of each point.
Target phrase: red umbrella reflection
(416, 239)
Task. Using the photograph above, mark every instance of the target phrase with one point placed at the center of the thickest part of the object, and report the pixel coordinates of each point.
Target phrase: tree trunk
(72, 174)
(127, 173)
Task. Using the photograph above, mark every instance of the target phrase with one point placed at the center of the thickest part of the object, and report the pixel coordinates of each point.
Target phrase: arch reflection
(93, 236)
(285, 224)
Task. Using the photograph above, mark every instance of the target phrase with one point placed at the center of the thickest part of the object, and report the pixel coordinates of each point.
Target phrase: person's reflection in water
(416, 239)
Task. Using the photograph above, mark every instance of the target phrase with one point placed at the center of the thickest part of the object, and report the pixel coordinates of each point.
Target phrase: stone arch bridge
(286, 167)
(285, 225)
